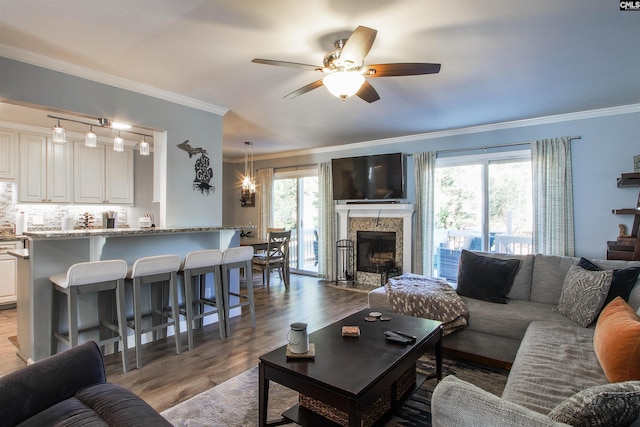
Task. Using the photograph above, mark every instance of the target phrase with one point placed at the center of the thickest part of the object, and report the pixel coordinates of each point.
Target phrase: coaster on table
(385, 318)
(370, 319)
(351, 331)
(375, 314)
(311, 354)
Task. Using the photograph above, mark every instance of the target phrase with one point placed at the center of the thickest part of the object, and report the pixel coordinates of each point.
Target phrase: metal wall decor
(203, 170)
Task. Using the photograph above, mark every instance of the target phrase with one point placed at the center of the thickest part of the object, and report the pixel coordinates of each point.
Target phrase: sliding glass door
(295, 206)
(481, 203)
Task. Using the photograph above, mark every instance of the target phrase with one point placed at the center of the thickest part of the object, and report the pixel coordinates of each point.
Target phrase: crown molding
(108, 79)
(559, 118)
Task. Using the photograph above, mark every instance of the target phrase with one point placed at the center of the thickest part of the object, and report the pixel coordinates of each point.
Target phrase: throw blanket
(429, 298)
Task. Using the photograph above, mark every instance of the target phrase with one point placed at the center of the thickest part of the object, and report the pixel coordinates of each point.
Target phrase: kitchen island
(53, 252)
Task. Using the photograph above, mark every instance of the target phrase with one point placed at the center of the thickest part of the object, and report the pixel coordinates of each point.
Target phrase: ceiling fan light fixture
(343, 84)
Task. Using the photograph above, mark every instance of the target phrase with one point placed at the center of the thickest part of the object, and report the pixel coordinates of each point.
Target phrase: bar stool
(197, 265)
(154, 271)
(92, 277)
(232, 258)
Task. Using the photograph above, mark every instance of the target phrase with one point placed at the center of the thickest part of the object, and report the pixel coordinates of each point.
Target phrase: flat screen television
(377, 177)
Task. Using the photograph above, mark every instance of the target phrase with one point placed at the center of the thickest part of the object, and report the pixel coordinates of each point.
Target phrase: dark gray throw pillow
(621, 284)
(485, 278)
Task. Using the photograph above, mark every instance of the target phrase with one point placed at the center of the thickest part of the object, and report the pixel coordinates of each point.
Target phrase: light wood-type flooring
(167, 378)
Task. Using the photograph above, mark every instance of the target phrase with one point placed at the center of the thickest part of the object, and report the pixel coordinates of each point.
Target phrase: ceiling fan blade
(358, 45)
(305, 89)
(367, 92)
(400, 69)
(307, 67)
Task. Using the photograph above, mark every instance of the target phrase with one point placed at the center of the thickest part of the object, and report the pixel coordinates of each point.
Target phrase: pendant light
(58, 133)
(248, 182)
(118, 143)
(90, 138)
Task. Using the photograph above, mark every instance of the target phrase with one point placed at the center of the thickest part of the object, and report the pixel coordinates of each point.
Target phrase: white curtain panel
(326, 224)
(265, 201)
(424, 165)
(553, 232)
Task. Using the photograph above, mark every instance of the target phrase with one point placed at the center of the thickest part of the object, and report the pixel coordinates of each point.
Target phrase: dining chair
(276, 257)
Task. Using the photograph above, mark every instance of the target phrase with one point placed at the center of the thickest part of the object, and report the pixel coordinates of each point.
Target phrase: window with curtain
(484, 203)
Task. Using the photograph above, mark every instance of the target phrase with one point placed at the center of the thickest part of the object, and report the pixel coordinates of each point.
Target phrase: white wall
(609, 140)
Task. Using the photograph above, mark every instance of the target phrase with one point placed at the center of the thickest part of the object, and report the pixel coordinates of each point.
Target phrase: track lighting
(58, 133)
(90, 138)
(118, 143)
(144, 147)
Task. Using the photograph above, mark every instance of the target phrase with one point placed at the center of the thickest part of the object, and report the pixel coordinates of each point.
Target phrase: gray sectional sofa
(553, 357)
(495, 331)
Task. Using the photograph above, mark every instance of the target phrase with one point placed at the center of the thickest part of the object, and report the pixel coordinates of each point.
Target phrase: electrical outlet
(37, 220)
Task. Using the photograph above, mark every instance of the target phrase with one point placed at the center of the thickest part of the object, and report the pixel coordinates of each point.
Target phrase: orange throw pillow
(617, 341)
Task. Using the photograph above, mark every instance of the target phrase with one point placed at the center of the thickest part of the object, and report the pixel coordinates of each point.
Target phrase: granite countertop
(11, 237)
(116, 232)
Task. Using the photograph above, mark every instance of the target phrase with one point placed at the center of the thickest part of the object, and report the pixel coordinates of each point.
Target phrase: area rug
(235, 402)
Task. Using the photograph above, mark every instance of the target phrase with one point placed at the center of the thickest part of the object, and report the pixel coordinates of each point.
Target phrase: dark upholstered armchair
(70, 388)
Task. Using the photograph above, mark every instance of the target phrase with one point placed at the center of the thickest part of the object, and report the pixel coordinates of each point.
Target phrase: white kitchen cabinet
(119, 177)
(102, 175)
(8, 272)
(8, 155)
(45, 170)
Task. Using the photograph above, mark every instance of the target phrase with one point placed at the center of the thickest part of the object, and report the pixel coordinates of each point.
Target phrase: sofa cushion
(510, 320)
(100, 405)
(552, 364)
(485, 278)
(616, 341)
(611, 264)
(548, 276)
(622, 282)
(604, 405)
(583, 294)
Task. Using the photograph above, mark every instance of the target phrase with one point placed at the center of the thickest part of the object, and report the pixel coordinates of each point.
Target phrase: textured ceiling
(502, 60)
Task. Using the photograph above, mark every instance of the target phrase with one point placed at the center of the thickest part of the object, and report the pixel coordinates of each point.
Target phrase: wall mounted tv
(378, 177)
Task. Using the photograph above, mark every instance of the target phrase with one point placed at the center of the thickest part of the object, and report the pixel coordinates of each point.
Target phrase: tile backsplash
(50, 214)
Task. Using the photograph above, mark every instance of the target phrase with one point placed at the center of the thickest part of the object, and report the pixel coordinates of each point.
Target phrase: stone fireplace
(381, 234)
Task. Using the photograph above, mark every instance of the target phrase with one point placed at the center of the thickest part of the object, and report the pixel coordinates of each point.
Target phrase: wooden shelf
(627, 211)
(629, 180)
(616, 250)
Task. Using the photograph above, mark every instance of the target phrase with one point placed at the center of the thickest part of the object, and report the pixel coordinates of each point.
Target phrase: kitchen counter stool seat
(232, 258)
(96, 277)
(155, 271)
(196, 266)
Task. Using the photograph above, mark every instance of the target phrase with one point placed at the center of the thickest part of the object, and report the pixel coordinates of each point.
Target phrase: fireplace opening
(376, 251)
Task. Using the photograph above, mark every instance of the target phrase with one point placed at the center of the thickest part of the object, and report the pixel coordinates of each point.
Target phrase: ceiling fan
(345, 70)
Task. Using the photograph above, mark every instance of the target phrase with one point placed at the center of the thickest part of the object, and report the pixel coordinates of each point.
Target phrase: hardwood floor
(168, 378)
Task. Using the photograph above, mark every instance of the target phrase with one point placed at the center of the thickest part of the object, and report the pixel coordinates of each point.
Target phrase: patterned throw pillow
(616, 404)
(583, 294)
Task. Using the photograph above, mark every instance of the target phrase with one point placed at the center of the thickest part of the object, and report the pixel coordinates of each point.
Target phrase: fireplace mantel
(381, 210)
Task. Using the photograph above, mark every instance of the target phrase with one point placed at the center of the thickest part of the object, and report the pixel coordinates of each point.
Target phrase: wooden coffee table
(350, 373)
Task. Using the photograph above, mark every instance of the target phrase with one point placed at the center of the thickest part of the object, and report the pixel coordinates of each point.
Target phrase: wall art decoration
(203, 171)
